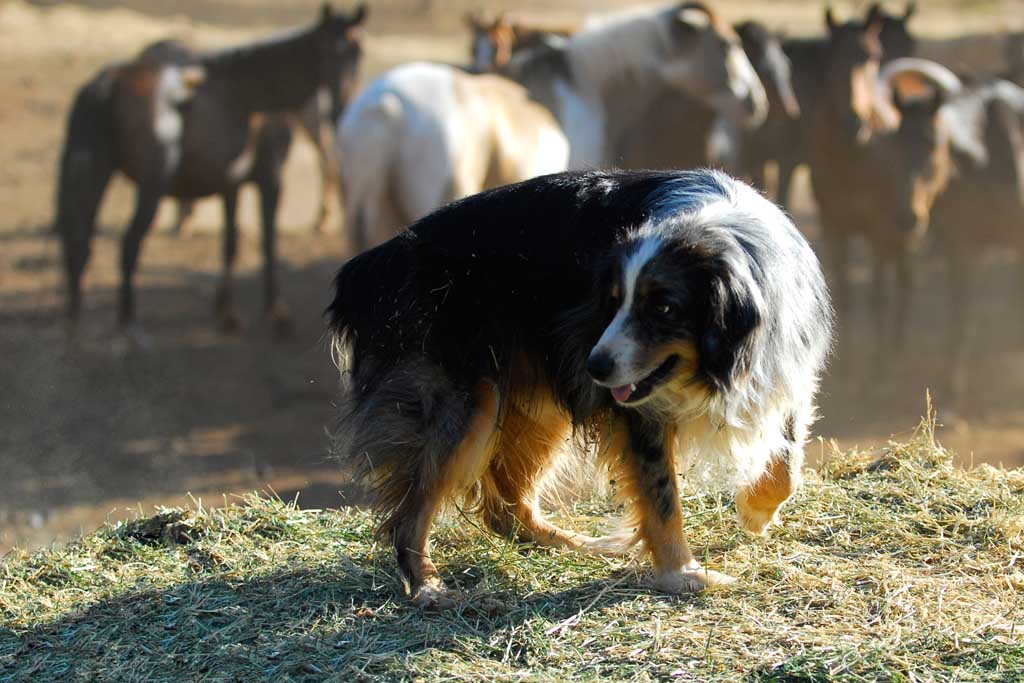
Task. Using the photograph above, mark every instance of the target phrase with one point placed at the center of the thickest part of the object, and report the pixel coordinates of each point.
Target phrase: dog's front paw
(435, 596)
(690, 580)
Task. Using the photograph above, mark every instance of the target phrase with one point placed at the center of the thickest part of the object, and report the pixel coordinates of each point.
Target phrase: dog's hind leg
(414, 516)
(529, 440)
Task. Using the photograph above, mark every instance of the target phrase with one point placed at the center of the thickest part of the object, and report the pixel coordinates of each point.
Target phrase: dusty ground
(92, 433)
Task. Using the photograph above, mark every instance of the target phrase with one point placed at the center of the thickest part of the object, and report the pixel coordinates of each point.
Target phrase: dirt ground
(92, 434)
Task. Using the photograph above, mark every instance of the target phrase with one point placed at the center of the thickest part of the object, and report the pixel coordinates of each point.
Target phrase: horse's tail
(86, 164)
(368, 137)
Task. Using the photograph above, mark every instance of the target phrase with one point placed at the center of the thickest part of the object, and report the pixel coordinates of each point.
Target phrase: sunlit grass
(901, 569)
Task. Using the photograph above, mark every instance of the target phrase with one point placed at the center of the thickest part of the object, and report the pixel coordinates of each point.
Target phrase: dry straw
(903, 568)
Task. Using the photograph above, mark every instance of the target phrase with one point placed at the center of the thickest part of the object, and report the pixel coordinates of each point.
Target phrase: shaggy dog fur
(648, 314)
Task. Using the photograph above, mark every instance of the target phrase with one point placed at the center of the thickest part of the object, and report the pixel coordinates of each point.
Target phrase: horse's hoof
(692, 580)
(320, 227)
(230, 321)
(281, 318)
(133, 338)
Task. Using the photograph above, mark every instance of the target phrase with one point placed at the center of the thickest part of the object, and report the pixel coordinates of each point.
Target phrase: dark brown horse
(786, 140)
(875, 177)
(188, 126)
(316, 120)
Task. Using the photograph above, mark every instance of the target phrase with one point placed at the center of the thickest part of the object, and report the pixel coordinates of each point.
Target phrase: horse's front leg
(147, 200)
(224, 302)
(273, 152)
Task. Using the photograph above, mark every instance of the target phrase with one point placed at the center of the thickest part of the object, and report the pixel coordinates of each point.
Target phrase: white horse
(601, 81)
(424, 134)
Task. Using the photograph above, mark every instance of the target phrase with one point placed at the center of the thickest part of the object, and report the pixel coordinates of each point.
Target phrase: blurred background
(109, 429)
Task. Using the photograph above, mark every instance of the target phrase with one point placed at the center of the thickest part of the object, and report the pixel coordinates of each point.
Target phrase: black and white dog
(649, 313)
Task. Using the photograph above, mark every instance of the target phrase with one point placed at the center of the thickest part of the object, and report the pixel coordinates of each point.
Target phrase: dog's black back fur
(493, 276)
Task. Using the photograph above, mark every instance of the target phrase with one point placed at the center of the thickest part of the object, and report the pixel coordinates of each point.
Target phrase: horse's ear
(694, 17)
(326, 13)
(359, 14)
(830, 19)
(874, 17)
(874, 22)
(909, 12)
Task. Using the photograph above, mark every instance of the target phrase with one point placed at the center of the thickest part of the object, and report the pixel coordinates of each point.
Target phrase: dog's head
(683, 307)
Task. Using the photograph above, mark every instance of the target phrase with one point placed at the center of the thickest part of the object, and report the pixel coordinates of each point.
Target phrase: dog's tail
(86, 165)
(367, 294)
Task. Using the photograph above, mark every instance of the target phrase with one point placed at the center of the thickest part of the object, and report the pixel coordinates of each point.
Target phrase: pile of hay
(902, 569)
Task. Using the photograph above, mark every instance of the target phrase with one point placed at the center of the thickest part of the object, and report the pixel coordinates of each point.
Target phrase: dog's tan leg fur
(758, 504)
(647, 477)
(528, 442)
(462, 469)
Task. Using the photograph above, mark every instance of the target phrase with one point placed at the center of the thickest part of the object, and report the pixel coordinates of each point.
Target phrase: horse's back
(526, 138)
(167, 52)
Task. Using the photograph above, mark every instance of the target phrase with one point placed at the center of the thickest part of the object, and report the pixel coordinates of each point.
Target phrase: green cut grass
(899, 569)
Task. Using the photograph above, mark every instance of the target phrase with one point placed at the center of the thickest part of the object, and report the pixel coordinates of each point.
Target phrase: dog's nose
(600, 365)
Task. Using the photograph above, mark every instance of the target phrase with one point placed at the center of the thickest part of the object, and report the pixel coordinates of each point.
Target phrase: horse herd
(900, 149)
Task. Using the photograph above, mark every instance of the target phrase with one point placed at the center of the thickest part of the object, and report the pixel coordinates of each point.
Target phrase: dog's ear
(734, 315)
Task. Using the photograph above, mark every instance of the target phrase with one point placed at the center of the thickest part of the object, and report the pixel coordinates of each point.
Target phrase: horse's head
(339, 49)
(492, 41)
(895, 35)
(849, 72)
(707, 61)
(914, 159)
(764, 50)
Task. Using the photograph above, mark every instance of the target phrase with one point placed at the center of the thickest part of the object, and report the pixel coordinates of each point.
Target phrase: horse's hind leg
(273, 152)
(786, 169)
(904, 297)
(962, 272)
(76, 237)
(146, 202)
(224, 303)
(84, 178)
(183, 213)
(528, 443)
(312, 122)
(880, 300)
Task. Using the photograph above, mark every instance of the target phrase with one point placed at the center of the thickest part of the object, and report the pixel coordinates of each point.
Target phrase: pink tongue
(622, 394)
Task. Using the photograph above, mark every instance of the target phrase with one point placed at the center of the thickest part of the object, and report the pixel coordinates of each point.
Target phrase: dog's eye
(665, 309)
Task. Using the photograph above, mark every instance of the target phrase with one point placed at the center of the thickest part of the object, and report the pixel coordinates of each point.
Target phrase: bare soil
(105, 428)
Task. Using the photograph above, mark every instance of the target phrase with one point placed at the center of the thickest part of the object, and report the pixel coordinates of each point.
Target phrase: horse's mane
(279, 40)
(617, 44)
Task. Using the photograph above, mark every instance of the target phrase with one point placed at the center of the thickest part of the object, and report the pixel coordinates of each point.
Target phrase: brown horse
(786, 141)
(877, 166)
(316, 120)
(495, 40)
(188, 126)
